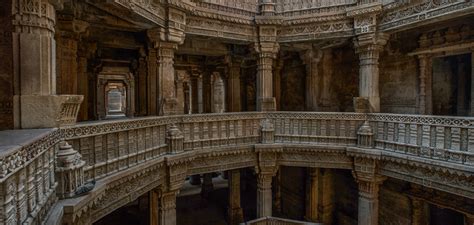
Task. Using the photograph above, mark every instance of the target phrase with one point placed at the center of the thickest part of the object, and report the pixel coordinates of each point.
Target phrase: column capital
(372, 42)
(366, 174)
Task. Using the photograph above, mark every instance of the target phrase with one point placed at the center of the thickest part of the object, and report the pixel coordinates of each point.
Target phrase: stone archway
(110, 75)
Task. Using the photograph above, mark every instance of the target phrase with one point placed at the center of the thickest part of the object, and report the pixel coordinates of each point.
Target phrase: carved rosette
(69, 170)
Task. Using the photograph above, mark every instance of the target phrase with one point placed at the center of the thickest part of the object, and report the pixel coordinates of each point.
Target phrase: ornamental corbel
(365, 17)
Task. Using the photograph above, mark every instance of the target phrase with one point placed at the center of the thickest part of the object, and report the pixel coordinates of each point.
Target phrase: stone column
(162, 73)
(190, 97)
(265, 99)
(312, 195)
(422, 64)
(36, 104)
(167, 210)
(419, 212)
(365, 172)
(207, 185)
(264, 195)
(235, 211)
(218, 94)
(152, 83)
(142, 84)
(166, 75)
(234, 86)
(311, 59)
(180, 80)
(368, 47)
(200, 95)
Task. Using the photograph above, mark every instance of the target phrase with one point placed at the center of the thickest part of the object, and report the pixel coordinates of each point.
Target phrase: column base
(266, 104)
(47, 111)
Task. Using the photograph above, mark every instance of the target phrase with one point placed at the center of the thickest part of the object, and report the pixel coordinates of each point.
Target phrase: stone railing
(28, 186)
(27, 180)
(449, 139)
(319, 128)
(277, 221)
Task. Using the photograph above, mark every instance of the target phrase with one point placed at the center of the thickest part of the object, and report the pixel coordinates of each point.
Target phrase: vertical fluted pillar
(235, 211)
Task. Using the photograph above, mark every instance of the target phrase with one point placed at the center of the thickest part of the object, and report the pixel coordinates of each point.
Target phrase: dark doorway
(452, 85)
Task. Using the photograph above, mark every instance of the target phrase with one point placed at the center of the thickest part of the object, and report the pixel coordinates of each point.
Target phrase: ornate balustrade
(27, 181)
(319, 128)
(447, 139)
(434, 151)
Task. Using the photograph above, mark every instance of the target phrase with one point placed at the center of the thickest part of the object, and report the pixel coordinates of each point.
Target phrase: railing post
(174, 140)
(69, 170)
(267, 132)
(365, 136)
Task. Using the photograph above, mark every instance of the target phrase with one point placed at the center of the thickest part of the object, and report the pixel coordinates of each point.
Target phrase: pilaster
(218, 93)
(471, 113)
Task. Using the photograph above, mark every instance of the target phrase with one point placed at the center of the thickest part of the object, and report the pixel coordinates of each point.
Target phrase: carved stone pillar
(181, 76)
(162, 74)
(152, 83)
(218, 94)
(235, 211)
(200, 95)
(234, 86)
(312, 195)
(142, 84)
(365, 172)
(277, 193)
(422, 63)
(162, 207)
(36, 104)
(311, 59)
(85, 52)
(207, 185)
(368, 47)
(267, 168)
(420, 212)
(265, 99)
(264, 195)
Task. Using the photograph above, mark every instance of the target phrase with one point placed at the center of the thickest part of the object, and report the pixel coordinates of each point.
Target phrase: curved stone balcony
(128, 158)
